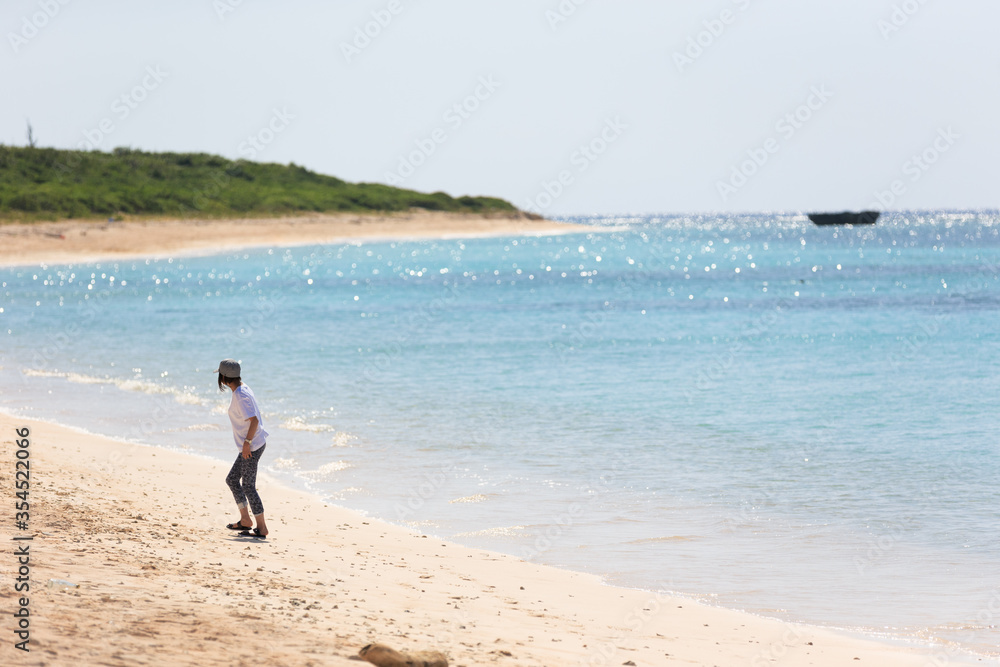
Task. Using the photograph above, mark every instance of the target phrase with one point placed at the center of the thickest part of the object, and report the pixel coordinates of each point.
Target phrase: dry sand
(74, 241)
(162, 582)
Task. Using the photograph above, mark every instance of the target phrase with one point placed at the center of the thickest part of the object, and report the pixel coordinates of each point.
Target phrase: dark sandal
(237, 526)
(253, 533)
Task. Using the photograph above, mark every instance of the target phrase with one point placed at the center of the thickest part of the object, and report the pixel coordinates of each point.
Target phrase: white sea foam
(127, 385)
(299, 424)
(477, 498)
(349, 491)
(31, 372)
(138, 385)
(285, 464)
(502, 531)
(341, 439)
(195, 427)
(671, 538)
(326, 470)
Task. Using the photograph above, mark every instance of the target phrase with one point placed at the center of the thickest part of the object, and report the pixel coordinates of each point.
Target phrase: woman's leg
(233, 481)
(250, 488)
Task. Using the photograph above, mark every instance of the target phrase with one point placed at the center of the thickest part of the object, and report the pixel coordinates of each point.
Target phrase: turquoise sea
(796, 421)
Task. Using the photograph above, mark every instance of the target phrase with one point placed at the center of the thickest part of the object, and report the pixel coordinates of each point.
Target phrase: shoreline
(71, 241)
(140, 529)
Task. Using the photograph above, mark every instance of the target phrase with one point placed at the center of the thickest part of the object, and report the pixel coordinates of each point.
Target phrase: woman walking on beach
(250, 436)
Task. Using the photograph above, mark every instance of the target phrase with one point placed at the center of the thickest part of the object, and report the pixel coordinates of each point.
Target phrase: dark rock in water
(846, 218)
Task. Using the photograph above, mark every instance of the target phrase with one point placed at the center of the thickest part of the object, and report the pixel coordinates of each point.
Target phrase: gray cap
(229, 368)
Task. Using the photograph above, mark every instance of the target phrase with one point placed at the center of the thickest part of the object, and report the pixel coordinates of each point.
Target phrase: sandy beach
(75, 241)
(160, 581)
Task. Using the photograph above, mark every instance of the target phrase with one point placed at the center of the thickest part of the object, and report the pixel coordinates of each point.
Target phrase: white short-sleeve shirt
(241, 409)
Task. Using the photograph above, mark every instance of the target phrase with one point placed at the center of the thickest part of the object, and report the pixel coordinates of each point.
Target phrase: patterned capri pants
(242, 481)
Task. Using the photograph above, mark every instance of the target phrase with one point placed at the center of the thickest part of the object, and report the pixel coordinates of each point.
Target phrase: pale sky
(667, 123)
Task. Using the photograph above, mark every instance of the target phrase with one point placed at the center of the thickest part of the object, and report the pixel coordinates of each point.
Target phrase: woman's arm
(253, 427)
(250, 433)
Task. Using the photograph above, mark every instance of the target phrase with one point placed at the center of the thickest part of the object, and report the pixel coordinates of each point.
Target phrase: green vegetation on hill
(51, 184)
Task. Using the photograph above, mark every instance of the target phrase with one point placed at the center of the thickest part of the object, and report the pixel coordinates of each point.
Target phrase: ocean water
(753, 411)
